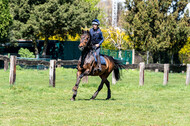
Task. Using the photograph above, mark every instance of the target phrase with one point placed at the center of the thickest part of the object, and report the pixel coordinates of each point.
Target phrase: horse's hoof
(72, 99)
(92, 98)
(108, 98)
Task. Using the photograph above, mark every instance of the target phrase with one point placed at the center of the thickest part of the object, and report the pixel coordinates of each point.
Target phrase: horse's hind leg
(109, 90)
(99, 88)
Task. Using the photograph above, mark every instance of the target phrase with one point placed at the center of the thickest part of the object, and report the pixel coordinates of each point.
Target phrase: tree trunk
(35, 47)
(147, 57)
(45, 46)
(120, 52)
(172, 59)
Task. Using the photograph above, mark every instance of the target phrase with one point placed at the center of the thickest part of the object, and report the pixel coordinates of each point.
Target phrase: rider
(96, 39)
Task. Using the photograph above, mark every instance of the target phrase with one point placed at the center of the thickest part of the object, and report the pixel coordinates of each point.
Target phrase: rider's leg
(98, 59)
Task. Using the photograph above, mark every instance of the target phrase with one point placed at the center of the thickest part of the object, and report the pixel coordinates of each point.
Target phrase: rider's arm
(91, 32)
(102, 38)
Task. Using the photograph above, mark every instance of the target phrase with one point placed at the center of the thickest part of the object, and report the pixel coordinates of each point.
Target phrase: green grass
(32, 102)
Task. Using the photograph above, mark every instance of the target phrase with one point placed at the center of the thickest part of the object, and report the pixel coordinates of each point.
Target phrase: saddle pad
(102, 59)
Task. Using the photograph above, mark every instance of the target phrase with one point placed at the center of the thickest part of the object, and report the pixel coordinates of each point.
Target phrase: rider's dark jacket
(96, 36)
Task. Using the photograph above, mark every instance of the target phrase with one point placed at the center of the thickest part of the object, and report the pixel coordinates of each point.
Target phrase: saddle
(102, 59)
(88, 60)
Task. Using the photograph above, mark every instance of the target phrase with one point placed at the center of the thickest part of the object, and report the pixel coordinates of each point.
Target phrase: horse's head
(85, 40)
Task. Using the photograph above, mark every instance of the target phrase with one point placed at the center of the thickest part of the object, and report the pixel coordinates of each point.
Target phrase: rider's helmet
(95, 22)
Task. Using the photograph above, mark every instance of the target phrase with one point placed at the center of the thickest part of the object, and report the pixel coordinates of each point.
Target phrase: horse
(87, 64)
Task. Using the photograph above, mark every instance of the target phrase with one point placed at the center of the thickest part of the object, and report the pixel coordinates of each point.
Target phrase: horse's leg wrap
(76, 87)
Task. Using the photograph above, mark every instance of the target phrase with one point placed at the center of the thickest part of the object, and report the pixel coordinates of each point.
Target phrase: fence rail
(173, 67)
(52, 64)
(39, 62)
(160, 67)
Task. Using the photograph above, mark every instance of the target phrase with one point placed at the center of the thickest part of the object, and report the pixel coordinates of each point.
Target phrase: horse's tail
(118, 65)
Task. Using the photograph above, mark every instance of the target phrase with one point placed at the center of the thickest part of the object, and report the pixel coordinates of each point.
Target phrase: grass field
(32, 102)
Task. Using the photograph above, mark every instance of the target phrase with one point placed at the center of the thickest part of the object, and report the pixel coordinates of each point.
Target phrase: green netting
(126, 55)
(71, 51)
(2, 52)
(65, 50)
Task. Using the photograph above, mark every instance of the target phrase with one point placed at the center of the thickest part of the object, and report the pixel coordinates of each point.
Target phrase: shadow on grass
(112, 99)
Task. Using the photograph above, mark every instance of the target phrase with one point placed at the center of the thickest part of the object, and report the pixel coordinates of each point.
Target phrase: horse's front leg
(79, 77)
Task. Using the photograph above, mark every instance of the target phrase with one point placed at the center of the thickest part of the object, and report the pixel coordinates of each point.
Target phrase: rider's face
(95, 26)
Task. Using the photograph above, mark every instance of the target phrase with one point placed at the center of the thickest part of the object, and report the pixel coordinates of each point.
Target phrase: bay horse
(86, 66)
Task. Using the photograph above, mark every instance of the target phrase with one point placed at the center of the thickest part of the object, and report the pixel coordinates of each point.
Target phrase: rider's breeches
(98, 52)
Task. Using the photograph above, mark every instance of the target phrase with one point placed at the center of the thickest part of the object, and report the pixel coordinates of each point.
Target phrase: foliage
(115, 39)
(59, 38)
(156, 25)
(32, 102)
(35, 19)
(19, 67)
(185, 52)
(93, 3)
(26, 53)
(5, 19)
(105, 13)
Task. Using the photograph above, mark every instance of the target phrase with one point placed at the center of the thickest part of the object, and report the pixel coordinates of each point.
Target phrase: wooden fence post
(5, 65)
(166, 74)
(188, 74)
(141, 73)
(156, 70)
(133, 56)
(12, 76)
(113, 78)
(52, 73)
(85, 79)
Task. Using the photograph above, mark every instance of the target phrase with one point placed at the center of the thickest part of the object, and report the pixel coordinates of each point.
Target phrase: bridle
(88, 43)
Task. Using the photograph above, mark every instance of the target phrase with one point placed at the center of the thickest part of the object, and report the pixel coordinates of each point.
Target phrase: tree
(62, 18)
(105, 15)
(185, 52)
(93, 3)
(23, 20)
(52, 17)
(115, 39)
(5, 19)
(157, 25)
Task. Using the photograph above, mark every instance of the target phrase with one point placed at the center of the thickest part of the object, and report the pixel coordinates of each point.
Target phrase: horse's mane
(87, 49)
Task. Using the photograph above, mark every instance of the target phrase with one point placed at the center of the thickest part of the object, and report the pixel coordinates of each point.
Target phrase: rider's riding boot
(99, 63)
